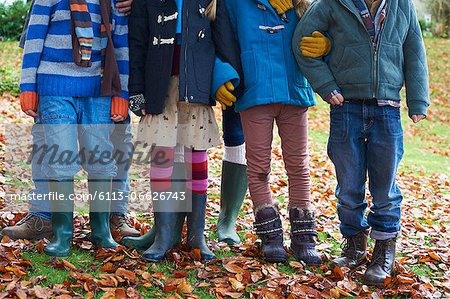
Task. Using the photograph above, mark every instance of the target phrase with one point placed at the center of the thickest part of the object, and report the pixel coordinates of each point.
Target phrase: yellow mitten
(224, 95)
(316, 46)
(281, 6)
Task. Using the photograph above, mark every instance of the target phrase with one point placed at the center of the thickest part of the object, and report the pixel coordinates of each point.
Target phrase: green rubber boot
(99, 188)
(145, 241)
(62, 219)
(142, 242)
(164, 227)
(196, 227)
(232, 195)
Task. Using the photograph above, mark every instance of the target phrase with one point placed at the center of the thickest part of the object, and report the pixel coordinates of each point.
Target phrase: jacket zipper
(375, 50)
(375, 67)
(375, 79)
(186, 97)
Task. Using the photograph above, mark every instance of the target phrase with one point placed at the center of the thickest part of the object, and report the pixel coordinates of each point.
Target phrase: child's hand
(224, 95)
(417, 118)
(117, 118)
(124, 6)
(315, 46)
(281, 6)
(137, 104)
(337, 100)
(31, 113)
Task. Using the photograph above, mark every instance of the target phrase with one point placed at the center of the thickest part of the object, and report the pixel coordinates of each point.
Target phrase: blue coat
(209, 53)
(271, 74)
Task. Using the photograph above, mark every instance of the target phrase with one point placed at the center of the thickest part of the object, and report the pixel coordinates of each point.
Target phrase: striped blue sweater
(48, 66)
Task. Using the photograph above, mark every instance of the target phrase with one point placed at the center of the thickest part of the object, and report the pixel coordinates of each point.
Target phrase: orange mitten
(119, 106)
(29, 101)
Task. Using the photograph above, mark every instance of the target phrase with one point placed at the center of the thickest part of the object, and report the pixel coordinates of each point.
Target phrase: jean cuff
(381, 236)
(43, 215)
(119, 207)
(118, 213)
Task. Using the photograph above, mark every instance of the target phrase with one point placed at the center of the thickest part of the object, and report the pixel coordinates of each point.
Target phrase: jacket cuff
(417, 107)
(325, 90)
(29, 100)
(223, 73)
(119, 106)
(134, 89)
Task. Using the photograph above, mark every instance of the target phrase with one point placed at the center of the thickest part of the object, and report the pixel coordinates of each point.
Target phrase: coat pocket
(250, 69)
(391, 64)
(300, 79)
(203, 64)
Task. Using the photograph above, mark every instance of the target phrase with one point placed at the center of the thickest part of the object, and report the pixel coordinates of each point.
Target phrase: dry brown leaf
(126, 274)
(233, 268)
(235, 284)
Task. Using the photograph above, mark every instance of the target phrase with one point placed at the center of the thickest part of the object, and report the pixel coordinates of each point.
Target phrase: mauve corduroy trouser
(292, 123)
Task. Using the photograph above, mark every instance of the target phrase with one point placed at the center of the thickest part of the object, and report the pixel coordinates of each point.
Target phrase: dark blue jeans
(367, 141)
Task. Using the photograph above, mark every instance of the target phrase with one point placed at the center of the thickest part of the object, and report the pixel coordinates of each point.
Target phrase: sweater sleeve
(138, 40)
(34, 44)
(415, 68)
(229, 6)
(120, 40)
(316, 70)
(23, 36)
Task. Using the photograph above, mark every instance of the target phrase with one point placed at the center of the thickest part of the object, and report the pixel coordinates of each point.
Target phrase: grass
(9, 65)
(80, 259)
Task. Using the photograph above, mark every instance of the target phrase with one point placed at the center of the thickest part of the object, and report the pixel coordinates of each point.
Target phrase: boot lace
(378, 257)
(25, 219)
(348, 246)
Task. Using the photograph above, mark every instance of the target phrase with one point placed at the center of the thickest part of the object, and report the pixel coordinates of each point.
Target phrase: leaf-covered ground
(422, 267)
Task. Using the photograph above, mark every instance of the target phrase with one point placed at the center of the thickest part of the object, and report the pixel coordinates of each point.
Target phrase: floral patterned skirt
(191, 125)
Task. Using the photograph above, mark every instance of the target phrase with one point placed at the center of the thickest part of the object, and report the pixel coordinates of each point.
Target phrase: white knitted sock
(235, 154)
(179, 154)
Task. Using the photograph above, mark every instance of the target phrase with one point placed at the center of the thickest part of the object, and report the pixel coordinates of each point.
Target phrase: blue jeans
(77, 133)
(58, 126)
(40, 208)
(122, 138)
(122, 141)
(367, 140)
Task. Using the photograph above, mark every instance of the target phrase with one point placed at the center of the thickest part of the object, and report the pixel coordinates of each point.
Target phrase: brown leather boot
(29, 228)
(121, 227)
(382, 263)
(354, 253)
